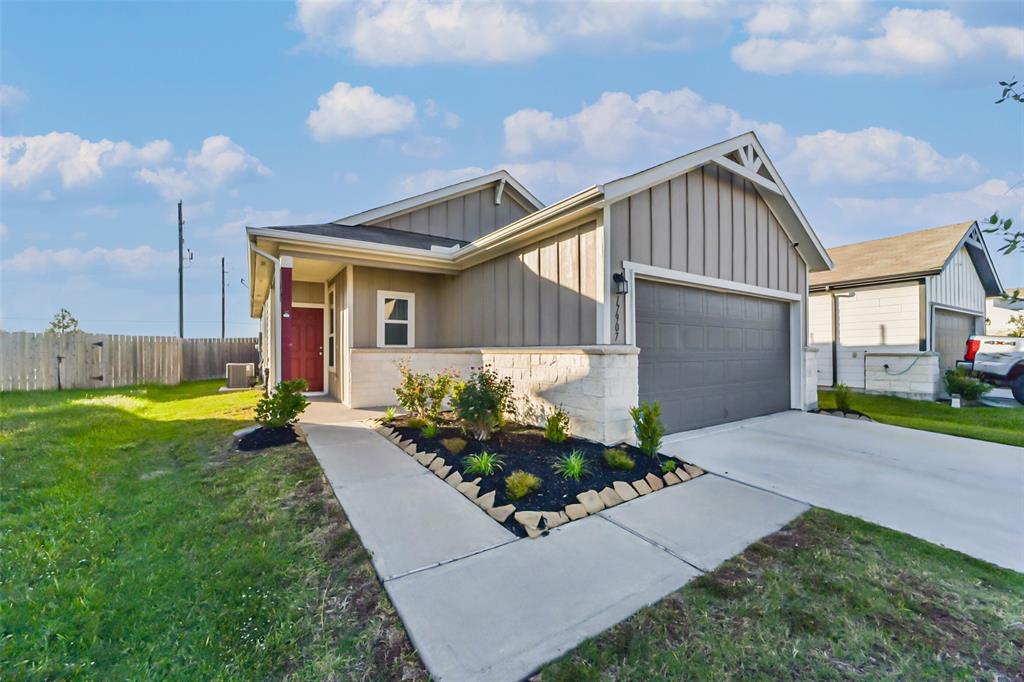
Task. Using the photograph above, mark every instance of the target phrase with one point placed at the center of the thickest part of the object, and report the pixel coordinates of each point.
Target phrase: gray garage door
(710, 357)
(951, 332)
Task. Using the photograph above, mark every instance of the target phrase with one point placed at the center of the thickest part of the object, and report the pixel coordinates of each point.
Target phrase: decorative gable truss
(744, 156)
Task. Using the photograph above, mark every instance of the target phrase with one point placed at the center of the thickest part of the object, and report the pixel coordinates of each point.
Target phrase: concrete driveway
(957, 492)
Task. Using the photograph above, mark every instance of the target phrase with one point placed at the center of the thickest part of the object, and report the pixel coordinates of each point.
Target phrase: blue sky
(879, 116)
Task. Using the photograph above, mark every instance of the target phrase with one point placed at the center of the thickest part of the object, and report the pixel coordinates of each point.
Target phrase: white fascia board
(797, 222)
(645, 179)
(449, 259)
(368, 247)
(438, 195)
(996, 284)
(805, 226)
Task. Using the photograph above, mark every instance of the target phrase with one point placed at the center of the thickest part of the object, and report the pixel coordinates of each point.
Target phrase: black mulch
(525, 448)
(264, 437)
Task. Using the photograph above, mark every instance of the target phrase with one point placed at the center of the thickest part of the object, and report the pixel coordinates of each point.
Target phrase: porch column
(285, 352)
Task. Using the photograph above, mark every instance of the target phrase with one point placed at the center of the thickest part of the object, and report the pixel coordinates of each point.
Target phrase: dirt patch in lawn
(524, 448)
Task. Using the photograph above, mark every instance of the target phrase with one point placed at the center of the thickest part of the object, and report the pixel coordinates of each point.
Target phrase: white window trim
(331, 337)
(411, 323)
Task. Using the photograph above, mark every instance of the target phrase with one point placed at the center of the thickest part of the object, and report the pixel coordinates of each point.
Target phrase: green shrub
(416, 423)
(483, 464)
(648, 427)
(284, 405)
(618, 459)
(520, 483)
(389, 415)
(668, 465)
(422, 394)
(572, 466)
(429, 431)
(483, 401)
(556, 429)
(844, 398)
(454, 445)
(964, 383)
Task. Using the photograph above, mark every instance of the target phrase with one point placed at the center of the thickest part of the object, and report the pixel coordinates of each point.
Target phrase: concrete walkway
(482, 604)
(958, 492)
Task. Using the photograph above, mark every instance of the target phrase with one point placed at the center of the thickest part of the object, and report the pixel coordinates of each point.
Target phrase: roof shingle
(372, 234)
(915, 253)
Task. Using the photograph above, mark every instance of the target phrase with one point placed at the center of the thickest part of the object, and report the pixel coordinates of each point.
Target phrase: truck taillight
(972, 349)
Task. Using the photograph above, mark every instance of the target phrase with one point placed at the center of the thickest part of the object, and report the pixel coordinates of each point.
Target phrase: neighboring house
(920, 291)
(684, 283)
(999, 310)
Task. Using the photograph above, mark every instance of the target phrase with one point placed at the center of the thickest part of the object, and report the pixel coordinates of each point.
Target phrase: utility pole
(181, 273)
(222, 273)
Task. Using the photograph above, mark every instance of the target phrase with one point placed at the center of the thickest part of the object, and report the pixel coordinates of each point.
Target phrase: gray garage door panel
(951, 332)
(710, 357)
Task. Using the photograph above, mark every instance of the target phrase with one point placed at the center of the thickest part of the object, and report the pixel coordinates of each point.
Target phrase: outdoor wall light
(621, 283)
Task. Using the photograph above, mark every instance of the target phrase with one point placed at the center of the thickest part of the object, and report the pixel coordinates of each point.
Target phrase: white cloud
(875, 155)
(219, 163)
(939, 208)
(137, 260)
(417, 183)
(24, 160)
(617, 128)
(416, 32)
(234, 230)
(346, 112)
(4, 230)
(12, 98)
(451, 120)
(642, 24)
(902, 41)
(813, 18)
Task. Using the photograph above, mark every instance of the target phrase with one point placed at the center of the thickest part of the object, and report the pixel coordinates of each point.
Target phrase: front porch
(344, 326)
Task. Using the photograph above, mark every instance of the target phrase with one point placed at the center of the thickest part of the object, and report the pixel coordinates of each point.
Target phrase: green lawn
(827, 598)
(997, 424)
(136, 545)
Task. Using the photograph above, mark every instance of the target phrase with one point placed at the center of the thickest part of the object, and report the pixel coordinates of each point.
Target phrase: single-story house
(999, 310)
(914, 295)
(684, 283)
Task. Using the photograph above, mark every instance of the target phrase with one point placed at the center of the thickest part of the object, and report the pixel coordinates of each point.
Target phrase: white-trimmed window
(396, 319)
(331, 326)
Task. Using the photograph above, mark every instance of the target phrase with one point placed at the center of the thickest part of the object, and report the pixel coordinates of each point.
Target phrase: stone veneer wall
(375, 370)
(595, 385)
(922, 379)
(810, 378)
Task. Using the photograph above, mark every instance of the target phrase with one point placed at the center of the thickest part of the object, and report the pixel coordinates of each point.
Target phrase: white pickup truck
(998, 360)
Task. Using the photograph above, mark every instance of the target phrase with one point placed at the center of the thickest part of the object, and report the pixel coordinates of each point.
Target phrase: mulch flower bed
(852, 414)
(265, 437)
(524, 448)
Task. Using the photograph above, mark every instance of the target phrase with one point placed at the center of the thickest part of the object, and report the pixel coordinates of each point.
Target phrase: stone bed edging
(537, 523)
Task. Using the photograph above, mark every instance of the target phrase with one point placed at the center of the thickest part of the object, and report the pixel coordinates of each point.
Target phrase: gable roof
(906, 256)
(499, 179)
(373, 234)
(742, 155)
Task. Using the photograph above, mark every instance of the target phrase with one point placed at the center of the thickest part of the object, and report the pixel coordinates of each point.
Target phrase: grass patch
(137, 543)
(996, 424)
(828, 597)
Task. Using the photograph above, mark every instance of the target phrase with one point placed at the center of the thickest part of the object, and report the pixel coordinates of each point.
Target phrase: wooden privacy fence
(30, 361)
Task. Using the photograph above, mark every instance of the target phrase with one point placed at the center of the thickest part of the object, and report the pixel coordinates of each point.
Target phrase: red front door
(305, 347)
